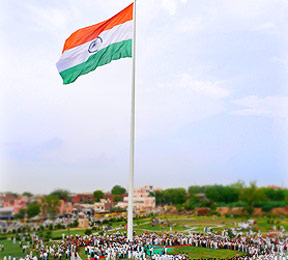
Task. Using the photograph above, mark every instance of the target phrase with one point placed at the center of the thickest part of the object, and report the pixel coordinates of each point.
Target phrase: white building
(142, 199)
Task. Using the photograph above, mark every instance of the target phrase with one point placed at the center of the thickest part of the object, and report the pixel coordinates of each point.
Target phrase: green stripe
(114, 51)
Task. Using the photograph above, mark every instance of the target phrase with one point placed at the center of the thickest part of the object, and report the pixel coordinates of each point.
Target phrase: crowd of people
(116, 245)
(156, 246)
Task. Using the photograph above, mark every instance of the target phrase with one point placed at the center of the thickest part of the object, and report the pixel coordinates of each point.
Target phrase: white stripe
(80, 54)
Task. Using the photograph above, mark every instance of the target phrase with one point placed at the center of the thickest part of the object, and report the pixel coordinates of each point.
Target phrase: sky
(211, 96)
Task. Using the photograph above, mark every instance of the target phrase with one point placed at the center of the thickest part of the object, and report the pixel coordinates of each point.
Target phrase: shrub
(58, 226)
(88, 232)
(48, 235)
(57, 238)
(74, 224)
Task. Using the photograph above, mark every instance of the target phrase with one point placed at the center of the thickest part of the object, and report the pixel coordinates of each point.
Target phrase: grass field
(183, 224)
(204, 253)
(160, 227)
(10, 249)
(58, 233)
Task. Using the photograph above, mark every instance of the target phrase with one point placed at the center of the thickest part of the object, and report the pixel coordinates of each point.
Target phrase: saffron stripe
(92, 32)
(114, 51)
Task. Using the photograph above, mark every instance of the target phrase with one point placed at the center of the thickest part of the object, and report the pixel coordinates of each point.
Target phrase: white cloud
(266, 26)
(230, 16)
(169, 106)
(47, 18)
(211, 89)
(202, 88)
(172, 5)
(270, 106)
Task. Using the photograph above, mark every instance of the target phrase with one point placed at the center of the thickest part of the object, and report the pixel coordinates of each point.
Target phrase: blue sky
(211, 96)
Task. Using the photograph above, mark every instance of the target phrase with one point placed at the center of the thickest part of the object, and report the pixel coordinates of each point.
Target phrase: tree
(274, 194)
(250, 195)
(15, 195)
(98, 194)
(50, 205)
(286, 197)
(193, 202)
(239, 185)
(118, 190)
(21, 214)
(196, 189)
(174, 196)
(27, 194)
(88, 232)
(159, 197)
(33, 210)
(220, 193)
(61, 194)
(48, 235)
(116, 198)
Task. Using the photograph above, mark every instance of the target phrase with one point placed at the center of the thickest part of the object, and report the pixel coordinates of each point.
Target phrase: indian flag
(97, 45)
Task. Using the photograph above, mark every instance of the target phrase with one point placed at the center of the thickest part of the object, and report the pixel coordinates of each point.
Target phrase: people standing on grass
(155, 246)
(115, 246)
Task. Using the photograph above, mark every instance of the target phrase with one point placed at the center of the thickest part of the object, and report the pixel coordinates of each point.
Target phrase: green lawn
(186, 220)
(263, 225)
(58, 233)
(11, 249)
(160, 227)
(204, 253)
(198, 223)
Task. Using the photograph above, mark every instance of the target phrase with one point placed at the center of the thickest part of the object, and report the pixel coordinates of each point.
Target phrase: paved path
(182, 231)
(119, 228)
(73, 257)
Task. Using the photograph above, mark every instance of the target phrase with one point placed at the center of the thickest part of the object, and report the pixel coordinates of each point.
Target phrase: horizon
(158, 187)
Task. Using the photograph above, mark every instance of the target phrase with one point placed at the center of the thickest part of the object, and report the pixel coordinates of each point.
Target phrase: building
(142, 199)
(82, 198)
(109, 196)
(15, 202)
(83, 223)
(6, 213)
(102, 215)
(65, 208)
(103, 205)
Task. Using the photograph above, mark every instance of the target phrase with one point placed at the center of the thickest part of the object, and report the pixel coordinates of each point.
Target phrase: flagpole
(132, 134)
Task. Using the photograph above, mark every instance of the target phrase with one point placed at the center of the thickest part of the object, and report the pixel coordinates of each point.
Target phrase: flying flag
(97, 45)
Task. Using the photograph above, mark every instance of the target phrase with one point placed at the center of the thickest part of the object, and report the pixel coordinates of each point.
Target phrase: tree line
(234, 195)
(212, 196)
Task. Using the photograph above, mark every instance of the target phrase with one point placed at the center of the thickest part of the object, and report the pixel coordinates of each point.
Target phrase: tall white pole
(132, 137)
